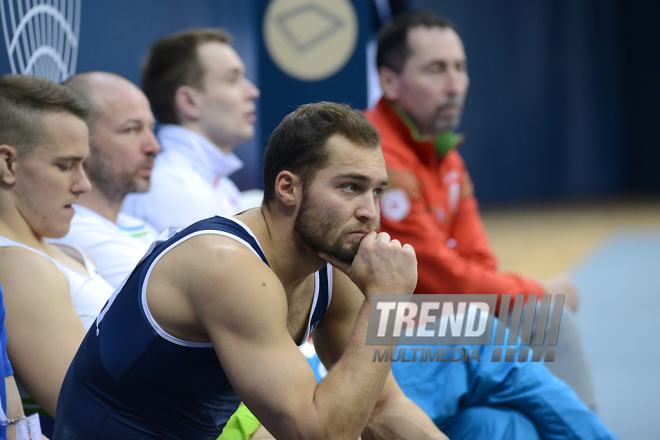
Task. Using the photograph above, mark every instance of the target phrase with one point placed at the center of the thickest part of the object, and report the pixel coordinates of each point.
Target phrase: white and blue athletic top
(132, 380)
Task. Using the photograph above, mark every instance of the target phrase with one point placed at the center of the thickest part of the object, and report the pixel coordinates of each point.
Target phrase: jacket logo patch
(394, 204)
(406, 180)
(453, 194)
(451, 176)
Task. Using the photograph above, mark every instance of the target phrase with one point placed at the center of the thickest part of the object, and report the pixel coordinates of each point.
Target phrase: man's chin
(446, 124)
(347, 255)
(142, 186)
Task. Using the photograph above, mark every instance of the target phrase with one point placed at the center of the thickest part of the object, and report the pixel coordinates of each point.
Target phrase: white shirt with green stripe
(115, 248)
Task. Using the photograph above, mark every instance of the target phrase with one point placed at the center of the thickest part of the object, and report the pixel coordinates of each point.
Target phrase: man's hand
(381, 265)
(563, 284)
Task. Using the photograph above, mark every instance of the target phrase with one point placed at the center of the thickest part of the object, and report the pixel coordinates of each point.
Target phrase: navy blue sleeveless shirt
(131, 380)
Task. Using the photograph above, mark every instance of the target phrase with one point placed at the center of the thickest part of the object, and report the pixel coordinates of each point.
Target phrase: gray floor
(620, 320)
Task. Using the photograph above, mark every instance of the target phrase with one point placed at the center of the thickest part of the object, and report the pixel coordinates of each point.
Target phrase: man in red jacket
(430, 201)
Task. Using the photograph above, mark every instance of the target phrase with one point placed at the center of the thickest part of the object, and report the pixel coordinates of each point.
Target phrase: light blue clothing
(493, 400)
(484, 422)
(475, 400)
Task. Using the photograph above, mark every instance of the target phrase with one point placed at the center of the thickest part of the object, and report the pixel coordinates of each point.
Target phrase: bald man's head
(121, 139)
(95, 87)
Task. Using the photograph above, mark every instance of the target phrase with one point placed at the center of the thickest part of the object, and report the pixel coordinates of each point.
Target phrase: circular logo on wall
(42, 36)
(310, 40)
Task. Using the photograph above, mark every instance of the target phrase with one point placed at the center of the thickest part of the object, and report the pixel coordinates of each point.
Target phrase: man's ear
(187, 100)
(8, 156)
(287, 188)
(389, 82)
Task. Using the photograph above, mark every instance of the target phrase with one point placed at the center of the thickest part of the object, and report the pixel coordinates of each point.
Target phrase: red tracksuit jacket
(430, 204)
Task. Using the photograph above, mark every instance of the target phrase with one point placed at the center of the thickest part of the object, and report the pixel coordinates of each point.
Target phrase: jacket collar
(207, 159)
(427, 147)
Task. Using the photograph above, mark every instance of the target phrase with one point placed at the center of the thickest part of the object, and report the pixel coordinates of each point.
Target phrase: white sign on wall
(310, 40)
(41, 36)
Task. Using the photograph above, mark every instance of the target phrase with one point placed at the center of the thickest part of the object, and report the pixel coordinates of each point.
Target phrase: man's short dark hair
(393, 48)
(24, 100)
(172, 62)
(298, 143)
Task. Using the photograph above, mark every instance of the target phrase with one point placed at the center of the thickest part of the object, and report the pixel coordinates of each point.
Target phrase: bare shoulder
(43, 328)
(217, 272)
(209, 257)
(28, 276)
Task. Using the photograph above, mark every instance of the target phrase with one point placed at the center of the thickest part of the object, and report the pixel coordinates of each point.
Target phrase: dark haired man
(197, 87)
(214, 313)
(48, 289)
(430, 201)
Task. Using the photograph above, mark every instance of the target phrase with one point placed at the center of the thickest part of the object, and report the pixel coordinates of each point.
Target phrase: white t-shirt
(115, 248)
(189, 182)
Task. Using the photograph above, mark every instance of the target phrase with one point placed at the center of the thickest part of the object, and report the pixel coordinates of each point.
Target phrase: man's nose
(252, 90)
(369, 210)
(82, 184)
(455, 83)
(150, 144)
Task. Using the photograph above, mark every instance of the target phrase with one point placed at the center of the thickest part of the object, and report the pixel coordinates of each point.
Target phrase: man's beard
(441, 123)
(99, 172)
(315, 231)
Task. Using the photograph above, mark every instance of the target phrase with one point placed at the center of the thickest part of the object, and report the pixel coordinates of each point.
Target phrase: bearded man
(215, 313)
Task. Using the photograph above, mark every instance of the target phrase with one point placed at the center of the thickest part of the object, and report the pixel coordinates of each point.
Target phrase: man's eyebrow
(73, 158)
(359, 177)
(235, 71)
(138, 121)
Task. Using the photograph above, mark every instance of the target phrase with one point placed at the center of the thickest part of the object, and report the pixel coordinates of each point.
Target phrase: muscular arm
(247, 322)
(43, 329)
(394, 416)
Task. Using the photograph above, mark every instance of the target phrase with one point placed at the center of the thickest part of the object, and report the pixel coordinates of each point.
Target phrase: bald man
(122, 151)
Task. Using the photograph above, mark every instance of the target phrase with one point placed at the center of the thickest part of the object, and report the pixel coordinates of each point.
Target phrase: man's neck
(197, 128)
(274, 230)
(14, 227)
(101, 204)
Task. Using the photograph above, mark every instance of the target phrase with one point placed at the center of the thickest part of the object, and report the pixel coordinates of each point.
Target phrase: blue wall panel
(116, 35)
(544, 116)
(564, 99)
(281, 93)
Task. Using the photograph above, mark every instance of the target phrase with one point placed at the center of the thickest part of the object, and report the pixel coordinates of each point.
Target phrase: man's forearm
(400, 419)
(14, 405)
(352, 387)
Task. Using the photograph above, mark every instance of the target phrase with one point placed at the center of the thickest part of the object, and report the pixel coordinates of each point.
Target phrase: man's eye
(378, 193)
(65, 166)
(350, 187)
(437, 68)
